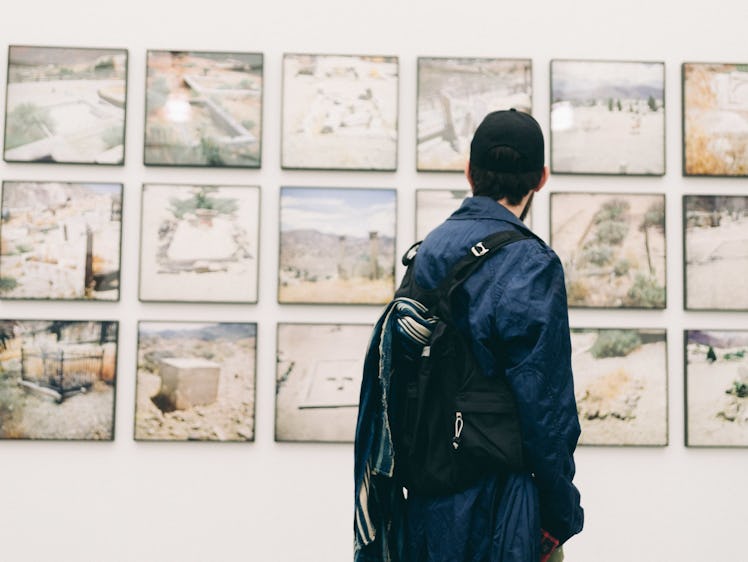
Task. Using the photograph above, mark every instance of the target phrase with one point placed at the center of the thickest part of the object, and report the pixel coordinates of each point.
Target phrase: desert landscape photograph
(716, 388)
(57, 379)
(60, 241)
(715, 119)
(455, 94)
(318, 380)
(66, 105)
(199, 243)
(339, 112)
(612, 247)
(196, 381)
(607, 117)
(716, 251)
(203, 109)
(337, 245)
(620, 382)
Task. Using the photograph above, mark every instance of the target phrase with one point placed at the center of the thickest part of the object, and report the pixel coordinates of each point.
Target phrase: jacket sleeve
(531, 321)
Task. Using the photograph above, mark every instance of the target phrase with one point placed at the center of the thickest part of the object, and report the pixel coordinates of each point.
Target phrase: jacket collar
(482, 207)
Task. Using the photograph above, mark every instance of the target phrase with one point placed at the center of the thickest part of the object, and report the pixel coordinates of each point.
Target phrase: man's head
(507, 157)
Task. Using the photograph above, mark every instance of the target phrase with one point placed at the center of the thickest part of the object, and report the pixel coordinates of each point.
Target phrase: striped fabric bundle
(404, 327)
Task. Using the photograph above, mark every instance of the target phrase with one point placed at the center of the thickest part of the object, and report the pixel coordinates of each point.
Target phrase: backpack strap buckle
(479, 249)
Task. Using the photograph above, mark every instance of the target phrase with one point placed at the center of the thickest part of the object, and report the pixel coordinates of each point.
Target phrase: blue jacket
(514, 309)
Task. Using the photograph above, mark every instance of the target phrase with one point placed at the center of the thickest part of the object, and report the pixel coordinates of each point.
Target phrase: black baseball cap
(513, 129)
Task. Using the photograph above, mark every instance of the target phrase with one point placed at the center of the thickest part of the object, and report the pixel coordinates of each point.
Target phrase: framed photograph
(612, 246)
(57, 379)
(203, 109)
(337, 245)
(620, 381)
(65, 105)
(318, 381)
(454, 95)
(716, 388)
(608, 117)
(715, 130)
(339, 112)
(715, 252)
(199, 243)
(60, 241)
(195, 381)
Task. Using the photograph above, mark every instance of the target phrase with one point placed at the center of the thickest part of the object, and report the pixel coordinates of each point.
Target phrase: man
(513, 310)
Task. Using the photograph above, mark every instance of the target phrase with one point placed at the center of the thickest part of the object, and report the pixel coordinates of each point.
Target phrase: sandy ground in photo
(314, 110)
(300, 347)
(645, 371)
(706, 386)
(611, 142)
(717, 265)
(338, 291)
(27, 414)
(229, 418)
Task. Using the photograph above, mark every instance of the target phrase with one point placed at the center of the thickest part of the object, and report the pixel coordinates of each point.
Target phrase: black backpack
(451, 424)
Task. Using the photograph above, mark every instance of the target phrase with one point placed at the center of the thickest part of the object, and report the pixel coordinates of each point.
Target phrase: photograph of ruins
(60, 241)
(195, 381)
(715, 252)
(318, 380)
(199, 243)
(715, 119)
(339, 112)
(65, 105)
(337, 245)
(607, 117)
(57, 379)
(454, 95)
(203, 109)
(716, 388)
(612, 247)
(620, 382)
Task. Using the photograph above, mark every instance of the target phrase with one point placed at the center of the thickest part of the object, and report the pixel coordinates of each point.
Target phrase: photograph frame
(495, 60)
(48, 392)
(617, 194)
(45, 160)
(333, 168)
(684, 225)
(192, 396)
(359, 190)
(360, 325)
(3, 192)
(142, 241)
(686, 393)
(684, 121)
(552, 142)
(208, 165)
(610, 349)
(419, 192)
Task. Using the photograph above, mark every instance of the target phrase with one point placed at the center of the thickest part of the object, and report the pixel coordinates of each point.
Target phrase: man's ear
(543, 179)
(467, 175)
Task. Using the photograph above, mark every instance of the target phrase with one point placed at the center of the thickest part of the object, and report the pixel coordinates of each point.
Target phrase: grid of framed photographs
(200, 243)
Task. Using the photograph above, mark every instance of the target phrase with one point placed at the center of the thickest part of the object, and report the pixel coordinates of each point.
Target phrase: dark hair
(512, 186)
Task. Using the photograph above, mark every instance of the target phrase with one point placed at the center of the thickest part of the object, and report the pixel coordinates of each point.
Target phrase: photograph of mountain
(607, 117)
(337, 245)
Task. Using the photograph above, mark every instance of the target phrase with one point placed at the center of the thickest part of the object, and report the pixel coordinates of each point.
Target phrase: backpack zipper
(458, 431)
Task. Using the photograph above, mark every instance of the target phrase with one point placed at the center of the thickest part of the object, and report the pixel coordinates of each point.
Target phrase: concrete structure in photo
(188, 382)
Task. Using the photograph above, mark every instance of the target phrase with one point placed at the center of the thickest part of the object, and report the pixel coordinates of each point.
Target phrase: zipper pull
(458, 431)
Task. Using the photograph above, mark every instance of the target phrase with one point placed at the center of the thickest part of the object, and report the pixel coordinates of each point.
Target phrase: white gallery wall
(266, 501)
